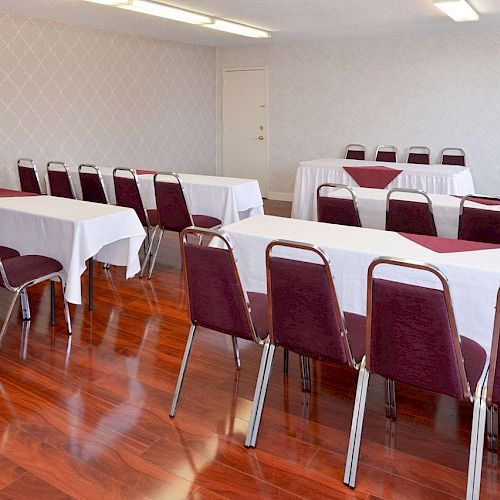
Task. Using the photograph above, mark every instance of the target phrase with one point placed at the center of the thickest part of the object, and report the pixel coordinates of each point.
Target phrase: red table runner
(7, 193)
(145, 172)
(373, 177)
(446, 245)
(482, 201)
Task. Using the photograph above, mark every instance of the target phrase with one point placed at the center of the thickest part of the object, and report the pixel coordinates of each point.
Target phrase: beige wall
(82, 95)
(434, 90)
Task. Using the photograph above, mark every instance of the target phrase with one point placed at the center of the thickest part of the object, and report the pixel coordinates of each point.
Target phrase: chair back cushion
(411, 337)
(171, 204)
(419, 158)
(28, 180)
(410, 217)
(60, 183)
(127, 195)
(304, 319)
(92, 188)
(353, 154)
(214, 291)
(477, 224)
(389, 156)
(338, 211)
(453, 160)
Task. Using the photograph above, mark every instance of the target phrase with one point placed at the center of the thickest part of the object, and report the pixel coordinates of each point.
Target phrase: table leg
(91, 283)
(52, 303)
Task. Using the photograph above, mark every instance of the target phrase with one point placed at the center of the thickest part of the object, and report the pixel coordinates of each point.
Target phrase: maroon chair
(173, 214)
(60, 184)
(305, 318)
(355, 152)
(18, 273)
(419, 154)
(453, 156)
(28, 176)
(7, 253)
(335, 210)
(479, 224)
(216, 297)
(387, 154)
(92, 184)
(412, 338)
(412, 217)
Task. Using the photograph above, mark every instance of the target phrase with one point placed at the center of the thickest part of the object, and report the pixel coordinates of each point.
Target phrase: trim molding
(275, 195)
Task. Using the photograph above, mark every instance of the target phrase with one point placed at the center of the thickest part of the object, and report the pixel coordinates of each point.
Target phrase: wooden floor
(94, 423)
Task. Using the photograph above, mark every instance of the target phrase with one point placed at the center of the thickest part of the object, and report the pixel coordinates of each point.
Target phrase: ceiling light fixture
(459, 10)
(160, 9)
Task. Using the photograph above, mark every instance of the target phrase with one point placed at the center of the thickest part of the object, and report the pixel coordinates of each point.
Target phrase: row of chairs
(415, 154)
(475, 224)
(409, 334)
(171, 213)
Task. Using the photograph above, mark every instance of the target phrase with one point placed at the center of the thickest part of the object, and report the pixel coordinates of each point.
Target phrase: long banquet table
(72, 231)
(440, 179)
(228, 199)
(474, 276)
(372, 208)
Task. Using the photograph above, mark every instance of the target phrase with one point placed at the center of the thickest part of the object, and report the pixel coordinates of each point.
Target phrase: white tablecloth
(226, 198)
(71, 232)
(440, 179)
(474, 277)
(372, 208)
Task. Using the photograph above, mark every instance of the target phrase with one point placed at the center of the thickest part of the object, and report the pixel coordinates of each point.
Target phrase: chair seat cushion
(206, 221)
(25, 268)
(153, 216)
(474, 360)
(8, 253)
(258, 304)
(356, 333)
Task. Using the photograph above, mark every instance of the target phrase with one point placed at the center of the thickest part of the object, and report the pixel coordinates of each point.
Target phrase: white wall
(81, 95)
(434, 90)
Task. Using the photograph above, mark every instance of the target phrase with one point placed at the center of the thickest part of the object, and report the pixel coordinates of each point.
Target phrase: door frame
(266, 119)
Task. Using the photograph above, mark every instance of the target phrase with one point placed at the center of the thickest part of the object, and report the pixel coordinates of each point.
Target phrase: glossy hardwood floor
(93, 422)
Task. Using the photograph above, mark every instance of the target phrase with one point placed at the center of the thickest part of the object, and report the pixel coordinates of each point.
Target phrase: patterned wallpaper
(86, 96)
(435, 90)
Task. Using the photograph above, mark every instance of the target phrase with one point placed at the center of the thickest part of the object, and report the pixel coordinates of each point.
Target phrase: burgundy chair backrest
(302, 301)
(216, 298)
(477, 224)
(453, 160)
(389, 156)
(353, 154)
(411, 338)
(410, 217)
(419, 158)
(338, 211)
(28, 179)
(92, 187)
(172, 208)
(128, 195)
(493, 389)
(60, 183)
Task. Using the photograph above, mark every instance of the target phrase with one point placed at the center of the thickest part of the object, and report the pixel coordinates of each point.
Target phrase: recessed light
(459, 10)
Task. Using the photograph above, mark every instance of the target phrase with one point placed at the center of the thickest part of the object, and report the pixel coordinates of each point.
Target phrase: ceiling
(289, 20)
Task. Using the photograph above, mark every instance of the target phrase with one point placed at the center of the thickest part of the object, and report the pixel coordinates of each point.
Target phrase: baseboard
(274, 195)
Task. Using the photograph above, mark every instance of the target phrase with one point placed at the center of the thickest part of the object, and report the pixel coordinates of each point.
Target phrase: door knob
(261, 137)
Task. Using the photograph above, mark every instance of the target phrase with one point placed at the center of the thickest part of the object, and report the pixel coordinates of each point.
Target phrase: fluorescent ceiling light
(160, 9)
(459, 10)
(237, 29)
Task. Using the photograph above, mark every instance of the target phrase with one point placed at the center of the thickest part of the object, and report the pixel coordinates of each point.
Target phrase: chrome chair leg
(8, 315)
(305, 373)
(492, 427)
(147, 257)
(390, 399)
(25, 305)
(66, 306)
(182, 371)
(153, 259)
(236, 351)
(356, 426)
(52, 303)
(285, 361)
(266, 365)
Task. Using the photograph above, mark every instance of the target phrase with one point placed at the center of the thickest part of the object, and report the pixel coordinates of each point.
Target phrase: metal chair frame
(200, 232)
(269, 349)
(360, 147)
(98, 173)
(411, 191)
(32, 165)
(50, 164)
(413, 149)
(389, 148)
(478, 398)
(337, 187)
(445, 150)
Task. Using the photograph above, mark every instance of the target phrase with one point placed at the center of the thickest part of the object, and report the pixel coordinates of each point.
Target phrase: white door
(244, 94)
